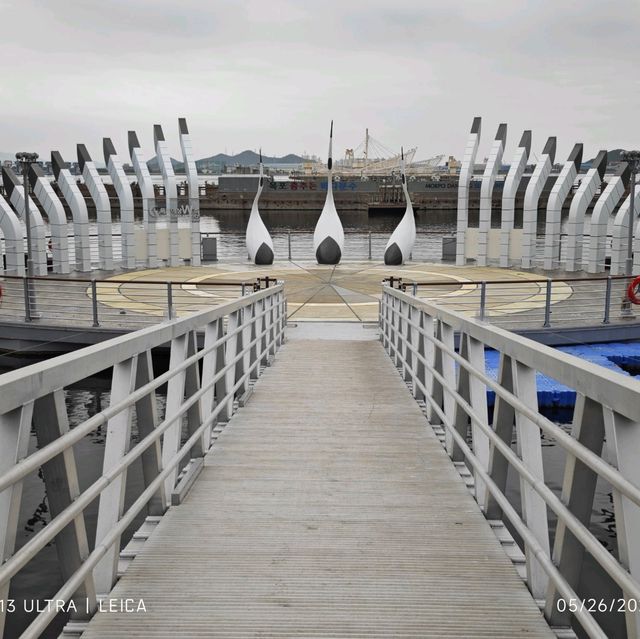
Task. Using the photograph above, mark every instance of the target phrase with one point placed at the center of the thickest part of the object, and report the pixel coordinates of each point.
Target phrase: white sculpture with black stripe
(147, 194)
(191, 173)
(328, 237)
(400, 244)
(13, 188)
(102, 205)
(76, 202)
(259, 242)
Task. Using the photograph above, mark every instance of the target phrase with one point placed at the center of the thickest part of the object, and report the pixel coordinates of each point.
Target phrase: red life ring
(633, 289)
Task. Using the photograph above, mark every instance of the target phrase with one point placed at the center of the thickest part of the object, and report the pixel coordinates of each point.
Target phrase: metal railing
(358, 246)
(530, 302)
(113, 302)
(602, 446)
(202, 384)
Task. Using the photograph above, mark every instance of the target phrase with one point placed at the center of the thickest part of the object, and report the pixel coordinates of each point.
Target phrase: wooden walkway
(327, 508)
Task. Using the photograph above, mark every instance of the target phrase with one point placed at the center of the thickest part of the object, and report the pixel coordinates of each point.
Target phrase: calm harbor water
(41, 578)
(297, 226)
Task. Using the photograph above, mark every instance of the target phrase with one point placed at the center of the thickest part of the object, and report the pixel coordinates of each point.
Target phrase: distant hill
(612, 156)
(246, 158)
(154, 165)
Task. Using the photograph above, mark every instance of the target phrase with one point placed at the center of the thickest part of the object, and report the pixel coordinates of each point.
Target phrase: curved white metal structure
(75, 200)
(558, 195)
(531, 197)
(328, 237)
(103, 207)
(259, 242)
(13, 240)
(403, 238)
(620, 234)
(466, 173)
(510, 190)
(125, 200)
(147, 194)
(50, 202)
(491, 169)
(194, 190)
(602, 211)
(581, 200)
(15, 194)
(170, 192)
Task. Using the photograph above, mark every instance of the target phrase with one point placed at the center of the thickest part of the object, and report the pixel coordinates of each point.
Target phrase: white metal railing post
(503, 424)
(578, 491)
(283, 317)
(26, 286)
(460, 417)
(245, 348)
(427, 332)
(94, 303)
(273, 329)
(60, 475)
(448, 370)
(407, 363)
(147, 422)
(417, 345)
(398, 332)
(529, 444)
(622, 443)
(384, 315)
(547, 303)
(191, 387)
(222, 359)
(234, 359)
(170, 311)
(211, 363)
(607, 301)
(263, 351)
(483, 301)
(175, 397)
(478, 401)
(255, 341)
(15, 429)
(123, 382)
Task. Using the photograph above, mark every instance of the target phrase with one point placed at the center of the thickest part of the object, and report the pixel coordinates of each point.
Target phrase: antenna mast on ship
(366, 147)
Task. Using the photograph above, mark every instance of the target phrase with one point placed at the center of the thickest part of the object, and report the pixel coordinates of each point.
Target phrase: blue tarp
(552, 393)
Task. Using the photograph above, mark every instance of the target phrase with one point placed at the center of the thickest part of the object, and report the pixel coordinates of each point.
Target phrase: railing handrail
(37, 380)
(116, 280)
(230, 358)
(618, 391)
(520, 280)
(415, 348)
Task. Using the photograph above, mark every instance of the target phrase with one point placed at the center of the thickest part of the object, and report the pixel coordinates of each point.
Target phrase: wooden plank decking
(327, 508)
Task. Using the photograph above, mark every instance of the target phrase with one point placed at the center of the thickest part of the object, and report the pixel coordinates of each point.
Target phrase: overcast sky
(273, 73)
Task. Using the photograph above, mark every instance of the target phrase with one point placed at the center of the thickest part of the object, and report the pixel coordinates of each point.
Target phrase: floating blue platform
(615, 356)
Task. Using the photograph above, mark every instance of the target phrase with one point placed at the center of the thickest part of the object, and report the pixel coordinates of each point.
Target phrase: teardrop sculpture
(403, 238)
(328, 237)
(259, 242)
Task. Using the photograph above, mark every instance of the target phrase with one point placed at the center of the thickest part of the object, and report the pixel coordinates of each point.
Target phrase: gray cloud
(249, 73)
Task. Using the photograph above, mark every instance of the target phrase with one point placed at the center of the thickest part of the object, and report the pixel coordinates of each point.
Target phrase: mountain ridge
(244, 158)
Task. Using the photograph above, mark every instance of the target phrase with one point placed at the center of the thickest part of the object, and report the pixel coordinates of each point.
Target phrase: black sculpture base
(264, 255)
(393, 256)
(328, 252)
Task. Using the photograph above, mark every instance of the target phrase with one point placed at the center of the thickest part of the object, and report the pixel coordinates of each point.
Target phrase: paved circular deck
(347, 292)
